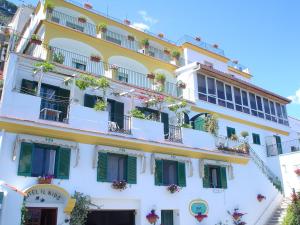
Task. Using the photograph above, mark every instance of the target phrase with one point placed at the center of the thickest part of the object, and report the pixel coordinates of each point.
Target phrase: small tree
(81, 209)
(211, 124)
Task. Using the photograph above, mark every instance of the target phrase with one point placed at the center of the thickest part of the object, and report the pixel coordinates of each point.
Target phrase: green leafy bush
(293, 212)
(137, 114)
(176, 54)
(100, 105)
(81, 209)
(44, 66)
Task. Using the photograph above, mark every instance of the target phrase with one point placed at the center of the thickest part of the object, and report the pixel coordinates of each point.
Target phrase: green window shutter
(62, 163)
(256, 139)
(102, 167)
(167, 217)
(199, 123)
(131, 170)
(230, 131)
(165, 120)
(25, 159)
(181, 174)
(63, 96)
(90, 100)
(158, 172)
(1, 197)
(206, 182)
(223, 177)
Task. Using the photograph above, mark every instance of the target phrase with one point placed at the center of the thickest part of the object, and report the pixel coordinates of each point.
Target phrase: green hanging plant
(81, 209)
(85, 81)
(43, 66)
(211, 124)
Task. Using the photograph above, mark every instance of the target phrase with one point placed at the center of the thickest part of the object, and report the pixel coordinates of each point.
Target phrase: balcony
(98, 68)
(201, 44)
(283, 147)
(239, 67)
(119, 124)
(228, 145)
(110, 36)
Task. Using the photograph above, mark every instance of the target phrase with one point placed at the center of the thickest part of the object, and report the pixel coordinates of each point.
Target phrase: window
(260, 107)
(211, 87)
(167, 217)
(116, 167)
(169, 172)
(238, 99)
(230, 132)
(214, 177)
(123, 76)
(202, 88)
(253, 104)
(267, 109)
(1, 198)
(273, 113)
(79, 65)
(114, 40)
(245, 102)
(256, 139)
(279, 113)
(229, 98)
(44, 160)
(221, 93)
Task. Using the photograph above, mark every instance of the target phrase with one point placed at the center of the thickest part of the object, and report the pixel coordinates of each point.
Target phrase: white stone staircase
(279, 213)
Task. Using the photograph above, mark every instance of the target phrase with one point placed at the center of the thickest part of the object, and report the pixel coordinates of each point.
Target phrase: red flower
(200, 217)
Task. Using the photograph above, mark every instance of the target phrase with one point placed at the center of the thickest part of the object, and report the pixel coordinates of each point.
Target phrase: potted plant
(145, 43)
(167, 51)
(102, 27)
(211, 124)
(49, 6)
(198, 38)
(152, 217)
(176, 56)
(58, 58)
(137, 114)
(160, 78)
(260, 197)
(127, 22)
(160, 35)
(95, 58)
(88, 5)
(234, 137)
(181, 84)
(237, 217)
(35, 39)
(119, 185)
(114, 71)
(45, 179)
(200, 217)
(173, 188)
(216, 46)
(244, 134)
(130, 38)
(297, 171)
(151, 76)
(81, 19)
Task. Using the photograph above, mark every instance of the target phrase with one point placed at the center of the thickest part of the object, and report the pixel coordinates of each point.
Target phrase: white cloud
(140, 26)
(295, 98)
(147, 18)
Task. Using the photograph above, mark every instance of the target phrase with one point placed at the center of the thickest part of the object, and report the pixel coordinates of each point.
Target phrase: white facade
(88, 133)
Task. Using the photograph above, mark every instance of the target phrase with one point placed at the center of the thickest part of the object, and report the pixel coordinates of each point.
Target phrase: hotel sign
(47, 194)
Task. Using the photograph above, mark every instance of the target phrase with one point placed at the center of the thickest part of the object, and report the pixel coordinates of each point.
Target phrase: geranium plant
(35, 39)
(88, 5)
(95, 58)
(297, 171)
(145, 43)
(200, 217)
(102, 27)
(45, 179)
(173, 188)
(237, 217)
(260, 197)
(119, 185)
(82, 19)
(152, 217)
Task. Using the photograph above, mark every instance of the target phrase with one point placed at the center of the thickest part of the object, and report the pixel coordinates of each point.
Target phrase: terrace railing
(86, 27)
(86, 64)
(279, 148)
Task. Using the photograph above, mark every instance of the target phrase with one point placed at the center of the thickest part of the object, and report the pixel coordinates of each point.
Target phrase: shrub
(81, 209)
(211, 124)
(145, 42)
(100, 105)
(44, 66)
(102, 27)
(160, 77)
(137, 114)
(176, 54)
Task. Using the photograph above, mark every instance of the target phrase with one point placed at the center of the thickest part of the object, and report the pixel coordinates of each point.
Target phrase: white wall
(144, 196)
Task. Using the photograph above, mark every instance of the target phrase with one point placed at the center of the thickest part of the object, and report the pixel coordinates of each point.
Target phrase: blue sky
(262, 34)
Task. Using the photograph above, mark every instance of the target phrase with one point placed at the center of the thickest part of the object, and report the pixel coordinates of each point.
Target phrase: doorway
(111, 217)
(41, 216)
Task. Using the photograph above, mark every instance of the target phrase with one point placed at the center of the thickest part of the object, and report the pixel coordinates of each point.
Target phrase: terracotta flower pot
(87, 6)
(81, 20)
(127, 22)
(167, 52)
(95, 58)
(151, 76)
(152, 220)
(36, 41)
(161, 35)
(130, 38)
(44, 180)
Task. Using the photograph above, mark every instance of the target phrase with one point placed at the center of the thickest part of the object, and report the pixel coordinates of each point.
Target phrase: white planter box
(147, 129)
(198, 139)
(85, 118)
(21, 106)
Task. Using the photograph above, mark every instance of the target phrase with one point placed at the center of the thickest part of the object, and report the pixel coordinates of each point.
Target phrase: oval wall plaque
(198, 206)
